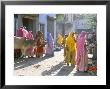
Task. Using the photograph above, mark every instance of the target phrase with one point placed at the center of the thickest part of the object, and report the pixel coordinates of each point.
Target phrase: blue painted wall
(43, 19)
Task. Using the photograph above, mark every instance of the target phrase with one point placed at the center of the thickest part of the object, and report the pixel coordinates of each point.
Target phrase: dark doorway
(28, 23)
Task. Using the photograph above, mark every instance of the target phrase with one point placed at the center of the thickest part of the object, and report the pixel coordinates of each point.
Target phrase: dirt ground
(53, 66)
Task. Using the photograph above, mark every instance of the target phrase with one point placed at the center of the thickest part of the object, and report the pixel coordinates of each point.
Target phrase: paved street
(53, 66)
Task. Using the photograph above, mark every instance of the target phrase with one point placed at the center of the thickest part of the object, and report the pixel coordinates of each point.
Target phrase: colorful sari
(21, 32)
(39, 44)
(50, 45)
(63, 43)
(70, 50)
(81, 58)
(59, 40)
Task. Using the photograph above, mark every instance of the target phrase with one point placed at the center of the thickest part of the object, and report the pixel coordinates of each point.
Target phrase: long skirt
(65, 50)
(83, 61)
(39, 51)
(49, 51)
(70, 57)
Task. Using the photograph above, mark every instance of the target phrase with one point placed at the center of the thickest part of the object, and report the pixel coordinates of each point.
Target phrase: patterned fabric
(39, 44)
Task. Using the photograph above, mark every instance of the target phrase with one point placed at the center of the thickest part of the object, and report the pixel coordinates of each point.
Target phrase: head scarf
(38, 34)
(30, 35)
(51, 38)
(48, 37)
(60, 39)
(70, 41)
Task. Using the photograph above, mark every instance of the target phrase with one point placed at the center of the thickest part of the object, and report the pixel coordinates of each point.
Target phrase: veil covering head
(69, 41)
(60, 39)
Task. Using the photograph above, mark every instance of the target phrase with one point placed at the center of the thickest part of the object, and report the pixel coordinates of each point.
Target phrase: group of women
(75, 51)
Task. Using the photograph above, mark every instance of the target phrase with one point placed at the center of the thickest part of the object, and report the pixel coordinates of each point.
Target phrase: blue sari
(50, 45)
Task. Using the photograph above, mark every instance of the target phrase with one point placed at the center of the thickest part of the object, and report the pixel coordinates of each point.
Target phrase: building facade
(82, 25)
(75, 23)
(30, 21)
(67, 25)
(36, 22)
(48, 22)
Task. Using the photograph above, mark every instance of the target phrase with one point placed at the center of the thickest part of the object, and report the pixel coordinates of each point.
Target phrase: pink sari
(81, 53)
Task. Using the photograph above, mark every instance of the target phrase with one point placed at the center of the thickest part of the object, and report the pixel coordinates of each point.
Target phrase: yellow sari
(59, 39)
(71, 49)
(63, 43)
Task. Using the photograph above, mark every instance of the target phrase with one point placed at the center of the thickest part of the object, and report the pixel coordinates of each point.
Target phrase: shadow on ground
(25, 62)
(61, 69)
(65, 71)
(80, 73)
(53, 69)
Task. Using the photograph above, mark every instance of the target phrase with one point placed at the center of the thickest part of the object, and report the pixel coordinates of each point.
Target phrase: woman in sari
(70, 49)
(63, 43)
(39, 44)
(59, 40)
(50, 45)
(82, 58)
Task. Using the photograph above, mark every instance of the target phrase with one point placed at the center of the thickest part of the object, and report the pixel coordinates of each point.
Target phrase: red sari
(39, 45)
